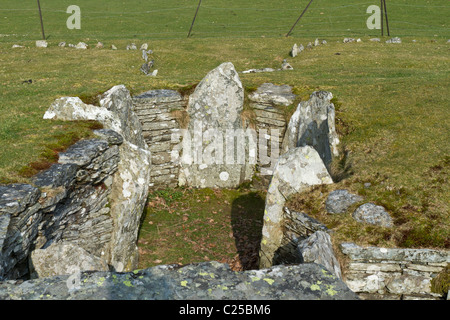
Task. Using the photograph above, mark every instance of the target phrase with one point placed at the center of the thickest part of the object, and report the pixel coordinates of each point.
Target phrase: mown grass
(393, 99)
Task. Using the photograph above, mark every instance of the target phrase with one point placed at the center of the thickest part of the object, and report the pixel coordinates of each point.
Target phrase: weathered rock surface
(64, 259)
(394, 40)
(72, 108)
(203, 281)
(81, 45)
(259, 70)
(317, 248)
(286, 65)
(338, 201)
(295, 171)
(211, 156)
(269, 93)
(313, 124)
(297, 227)
(296, 50)
(131, 182)
(41, 44)
(373, 214)
(118, 101)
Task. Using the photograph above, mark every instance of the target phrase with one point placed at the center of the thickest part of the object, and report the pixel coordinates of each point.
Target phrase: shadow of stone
(317, 137)
(247, 214)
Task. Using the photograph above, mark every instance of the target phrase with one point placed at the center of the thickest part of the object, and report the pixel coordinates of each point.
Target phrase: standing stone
(373, 214)
(41, 44)
(131, 47)
(316, 43)
(113, 47)
(145, 55)
(294, 51)
(313, 124)
(317, 248)
(286, 66)
(64, 259)
(339, 201)
(81, 45)
(295, 171)
(145, 69)
(394, 40)
(62, 44)
(131, 181)
(99, 45)
(211, 156)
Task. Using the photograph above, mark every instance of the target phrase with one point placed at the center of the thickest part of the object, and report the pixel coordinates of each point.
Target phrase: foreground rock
(339, 201)
(64, 259)
(373, 214)
(203, 281)
(295, 171)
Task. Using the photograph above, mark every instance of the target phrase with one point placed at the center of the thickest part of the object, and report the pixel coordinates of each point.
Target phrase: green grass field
(169, 19)
(393, 105)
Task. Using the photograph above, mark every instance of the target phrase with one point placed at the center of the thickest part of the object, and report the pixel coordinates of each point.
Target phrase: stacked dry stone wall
(163, 113)
(68, 202)
(160, 113)
(394, 274)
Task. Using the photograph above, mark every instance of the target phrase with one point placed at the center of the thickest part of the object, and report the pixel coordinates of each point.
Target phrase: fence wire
(160, 19)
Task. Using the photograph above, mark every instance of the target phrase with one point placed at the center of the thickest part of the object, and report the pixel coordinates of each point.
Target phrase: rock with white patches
(295, 171)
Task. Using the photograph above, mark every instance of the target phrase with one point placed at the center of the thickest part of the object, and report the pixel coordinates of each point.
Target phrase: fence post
(195, 16)
(42, 23)
(387, 23)
(287, 35)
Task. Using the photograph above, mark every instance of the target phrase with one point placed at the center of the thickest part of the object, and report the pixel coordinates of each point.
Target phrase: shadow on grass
(247, 214)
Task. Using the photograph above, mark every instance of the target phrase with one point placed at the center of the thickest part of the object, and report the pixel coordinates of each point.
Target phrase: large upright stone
(211, 156)
(295, 171)
(313, 124)
(131, 181)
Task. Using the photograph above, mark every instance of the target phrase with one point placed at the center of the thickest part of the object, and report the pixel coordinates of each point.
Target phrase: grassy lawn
(392, 99)
(191, 225)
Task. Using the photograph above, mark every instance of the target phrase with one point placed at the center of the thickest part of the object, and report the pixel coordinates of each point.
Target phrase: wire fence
(171, 19)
